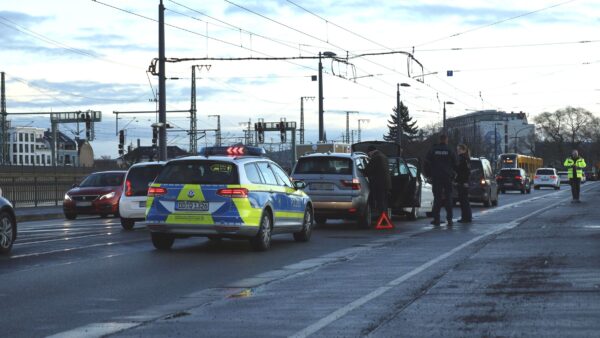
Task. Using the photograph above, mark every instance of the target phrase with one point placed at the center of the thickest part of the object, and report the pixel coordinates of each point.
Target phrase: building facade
(28, 146)
(490, 133)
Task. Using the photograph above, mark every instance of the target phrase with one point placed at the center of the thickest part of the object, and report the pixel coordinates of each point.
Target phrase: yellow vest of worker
(576, 165)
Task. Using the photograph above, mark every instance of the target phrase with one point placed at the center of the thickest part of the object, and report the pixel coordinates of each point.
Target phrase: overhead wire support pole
(162, 94)
(3, 121)
(193, 127)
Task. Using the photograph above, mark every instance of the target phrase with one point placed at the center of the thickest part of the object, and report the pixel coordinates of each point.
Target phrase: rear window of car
(510, 172)
(199, 172)
(140, 177)
(324, 165)
(103, 180)
(545, 172)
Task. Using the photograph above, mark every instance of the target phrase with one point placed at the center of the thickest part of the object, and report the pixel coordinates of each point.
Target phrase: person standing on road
(462, 183)
(575, 165)
(380, 182)
(440, 166)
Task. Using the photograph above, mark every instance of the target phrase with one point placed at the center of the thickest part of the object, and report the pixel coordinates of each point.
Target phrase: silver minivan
(336, 186)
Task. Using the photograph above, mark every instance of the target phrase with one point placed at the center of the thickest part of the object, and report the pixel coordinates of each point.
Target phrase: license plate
(84, 204)
(321, 186)
(545, 179)
(142, 204)
(508, 184)
(191, 206)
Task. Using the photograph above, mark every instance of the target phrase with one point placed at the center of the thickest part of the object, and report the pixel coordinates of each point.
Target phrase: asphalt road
(528, 267)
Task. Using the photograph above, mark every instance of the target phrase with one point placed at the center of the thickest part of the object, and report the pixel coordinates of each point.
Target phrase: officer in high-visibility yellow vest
(575, 165)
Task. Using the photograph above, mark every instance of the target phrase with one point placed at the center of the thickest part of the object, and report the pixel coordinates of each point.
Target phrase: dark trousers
(465, 206)
(442, 194)
(380, 200)
(575, 187)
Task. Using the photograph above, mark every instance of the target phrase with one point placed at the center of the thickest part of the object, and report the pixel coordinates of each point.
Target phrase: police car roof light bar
(235, 150)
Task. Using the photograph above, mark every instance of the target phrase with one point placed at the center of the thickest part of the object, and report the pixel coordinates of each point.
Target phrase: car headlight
(107, 196)
(68, 198)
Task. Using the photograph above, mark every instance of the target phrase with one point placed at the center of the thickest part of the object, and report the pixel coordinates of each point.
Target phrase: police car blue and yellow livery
(228, 192)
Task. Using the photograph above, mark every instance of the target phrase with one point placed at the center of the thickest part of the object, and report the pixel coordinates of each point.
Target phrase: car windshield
(324, 165)
(545, 172)
(199, 172)
(140, 177)
(103, 180)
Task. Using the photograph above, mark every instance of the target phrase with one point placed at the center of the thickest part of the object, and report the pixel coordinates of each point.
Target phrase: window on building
(20, 137)
(26, 137)
(32, 159)
(32, 137)
(14, 147)
(26, 159)
(20, 148)
(37, 159)
(48, 160)
(43, 158)
(27, 148)
(20, 159)
(14, 159)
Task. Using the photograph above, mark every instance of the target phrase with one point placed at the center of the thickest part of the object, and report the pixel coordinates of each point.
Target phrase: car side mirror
(75, 185)
(299, 185)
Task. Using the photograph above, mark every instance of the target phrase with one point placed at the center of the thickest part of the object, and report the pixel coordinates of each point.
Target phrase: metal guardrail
(29, 186)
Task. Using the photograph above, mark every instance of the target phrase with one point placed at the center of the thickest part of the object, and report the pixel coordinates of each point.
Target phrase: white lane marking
(339, 313)
(94, 330)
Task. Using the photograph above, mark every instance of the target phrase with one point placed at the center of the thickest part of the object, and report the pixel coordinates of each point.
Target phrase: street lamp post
(399, 130)
(302, 99)
(444, 117)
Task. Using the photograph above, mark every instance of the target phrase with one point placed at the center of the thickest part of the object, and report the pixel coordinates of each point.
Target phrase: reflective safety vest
(578, 165)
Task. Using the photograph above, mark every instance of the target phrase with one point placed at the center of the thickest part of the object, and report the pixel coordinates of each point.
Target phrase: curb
(38, 217)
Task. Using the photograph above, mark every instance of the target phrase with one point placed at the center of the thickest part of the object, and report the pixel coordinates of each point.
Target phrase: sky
(531, 56)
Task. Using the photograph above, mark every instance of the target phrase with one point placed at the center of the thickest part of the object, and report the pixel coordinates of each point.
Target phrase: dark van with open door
(406, 184)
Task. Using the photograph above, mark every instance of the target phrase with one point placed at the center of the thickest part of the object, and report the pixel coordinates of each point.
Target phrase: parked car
(407, 184)
(426, 199)
(336, 185)
(132, 205)
(563, 176)
(546, 177)
(513, 179)
(483, 187)
(229, 192)
(591, 176)
(8, 226)
(97, 194)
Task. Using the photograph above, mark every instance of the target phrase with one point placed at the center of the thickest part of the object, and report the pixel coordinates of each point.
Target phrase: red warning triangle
(383, 223)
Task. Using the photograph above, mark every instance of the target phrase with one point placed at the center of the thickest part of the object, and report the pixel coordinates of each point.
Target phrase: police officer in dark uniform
(380, 182)
(440, 166)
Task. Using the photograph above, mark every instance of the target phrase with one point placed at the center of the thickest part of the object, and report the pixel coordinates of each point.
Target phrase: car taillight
(553, 177)
(498, 178)
(128, 190)
(156, 191)
(518, 177)
(233, 192)
(536, 177)
(353, 183)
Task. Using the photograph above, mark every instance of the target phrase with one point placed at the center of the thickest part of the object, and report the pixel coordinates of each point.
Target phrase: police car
(227, 192)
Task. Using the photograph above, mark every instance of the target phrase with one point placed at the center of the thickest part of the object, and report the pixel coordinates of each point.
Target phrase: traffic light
(88, 126)
(154, 137)
(282, 131)
(121, 142)
(260, 131)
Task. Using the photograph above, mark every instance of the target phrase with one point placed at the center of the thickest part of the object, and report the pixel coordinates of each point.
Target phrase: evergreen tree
(409, 128)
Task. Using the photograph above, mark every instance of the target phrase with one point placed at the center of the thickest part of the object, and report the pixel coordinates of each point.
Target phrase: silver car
(336, 186)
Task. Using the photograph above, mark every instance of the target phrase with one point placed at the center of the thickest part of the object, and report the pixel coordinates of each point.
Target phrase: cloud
(112, 41)
(81, 94)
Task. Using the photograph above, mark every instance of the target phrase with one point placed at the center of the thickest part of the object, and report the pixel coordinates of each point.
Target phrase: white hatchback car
(546, 177)
(132, 205)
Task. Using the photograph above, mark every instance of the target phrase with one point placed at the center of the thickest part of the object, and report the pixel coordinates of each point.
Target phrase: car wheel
(413, 214)
(304, 234)
(262, 240)
(8, 232)
(320, 220)
(535, 187)
(557, 188)
(364, 221)
(127, 223)
(162, 241)
(70, 216)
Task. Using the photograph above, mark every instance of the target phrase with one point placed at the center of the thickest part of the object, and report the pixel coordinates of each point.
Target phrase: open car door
(406, 187)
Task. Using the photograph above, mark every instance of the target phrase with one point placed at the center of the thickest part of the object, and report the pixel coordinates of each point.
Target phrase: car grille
(85, 198)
